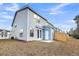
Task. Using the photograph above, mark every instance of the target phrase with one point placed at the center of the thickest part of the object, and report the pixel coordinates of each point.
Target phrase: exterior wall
(32, 23)
(4, 34)
(21, 25)
(25, 21)
(52, 34)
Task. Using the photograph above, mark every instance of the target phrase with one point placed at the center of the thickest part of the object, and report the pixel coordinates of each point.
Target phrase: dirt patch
(35, 48)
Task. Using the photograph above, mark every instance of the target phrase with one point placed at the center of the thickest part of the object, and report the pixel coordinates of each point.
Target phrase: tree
(76, 31)
(71, 32)
(77, 21)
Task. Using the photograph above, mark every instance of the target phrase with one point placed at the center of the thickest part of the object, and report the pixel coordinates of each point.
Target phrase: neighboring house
(29, 25)
(4, 34)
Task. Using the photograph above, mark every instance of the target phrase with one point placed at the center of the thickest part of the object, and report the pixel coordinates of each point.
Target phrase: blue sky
(59, 14)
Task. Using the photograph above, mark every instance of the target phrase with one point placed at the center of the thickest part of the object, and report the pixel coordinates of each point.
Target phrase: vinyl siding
(21, 22)
(32, 24)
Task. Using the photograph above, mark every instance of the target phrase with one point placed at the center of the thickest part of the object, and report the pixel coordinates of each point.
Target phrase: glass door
(46, 34)
(39, 33)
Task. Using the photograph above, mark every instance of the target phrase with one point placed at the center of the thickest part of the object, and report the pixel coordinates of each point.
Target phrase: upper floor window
(15, 26)
(36, 16)
(38, 21)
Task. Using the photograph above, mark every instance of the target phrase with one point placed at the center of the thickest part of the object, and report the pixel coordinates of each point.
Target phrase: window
(38, 33)
(5, 34)
(31, 33)
(15, 26)
(36, 16)
(21, 34)
(2, 34)
(38, 21)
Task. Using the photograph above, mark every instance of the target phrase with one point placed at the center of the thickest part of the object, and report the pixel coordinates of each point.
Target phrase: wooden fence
(60, 36)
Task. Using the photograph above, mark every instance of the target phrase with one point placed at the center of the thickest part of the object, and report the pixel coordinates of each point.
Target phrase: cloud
(14, 7)
(56, 12)
(61, 6)
(9, 7)
(3, 12)
(71, 21)
(5, 27)
(2, 21)
(57, 9)
(5, 15)
(65, 27)
(7, 11)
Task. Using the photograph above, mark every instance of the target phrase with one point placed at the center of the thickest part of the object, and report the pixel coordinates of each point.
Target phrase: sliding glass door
(39, 33)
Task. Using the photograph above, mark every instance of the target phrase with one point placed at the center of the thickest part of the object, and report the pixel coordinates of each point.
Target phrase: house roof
(28, 7)
(4, 30)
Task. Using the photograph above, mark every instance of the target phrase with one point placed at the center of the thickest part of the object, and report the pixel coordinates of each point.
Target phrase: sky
(61, 15)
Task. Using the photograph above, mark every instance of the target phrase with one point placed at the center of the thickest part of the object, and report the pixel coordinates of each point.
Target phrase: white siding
(32, 24)
(25, 21)
(21, 22)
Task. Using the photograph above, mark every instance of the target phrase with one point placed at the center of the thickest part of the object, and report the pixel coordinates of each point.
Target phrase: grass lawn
(56, 48)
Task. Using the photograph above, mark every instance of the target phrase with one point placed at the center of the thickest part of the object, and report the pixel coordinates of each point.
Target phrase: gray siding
(21, 22)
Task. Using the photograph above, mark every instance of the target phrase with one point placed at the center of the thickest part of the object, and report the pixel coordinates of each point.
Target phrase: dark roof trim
(27, 7)
(14, 18)
(4, 30)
